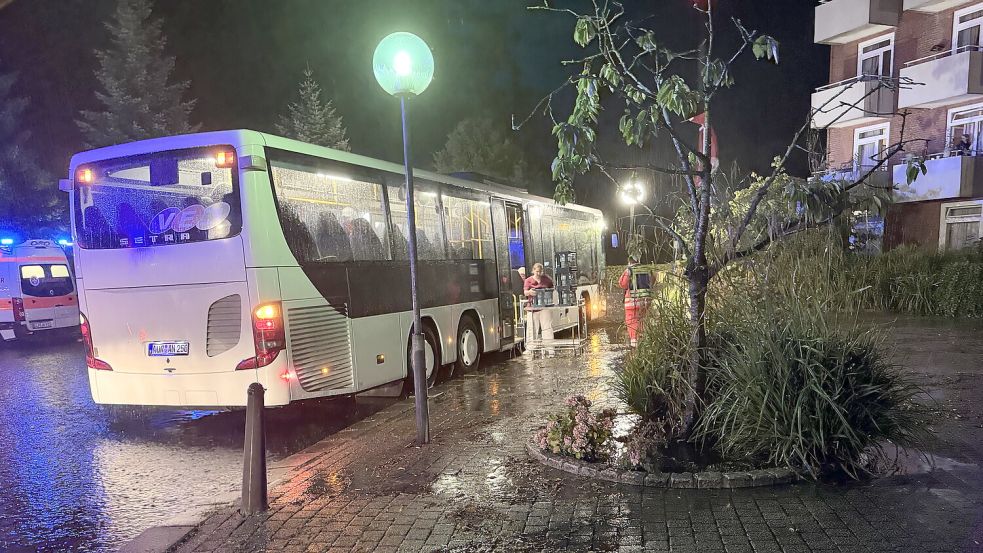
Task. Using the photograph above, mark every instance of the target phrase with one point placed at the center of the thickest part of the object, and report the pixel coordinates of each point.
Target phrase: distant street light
(403, 66)
(631, 193)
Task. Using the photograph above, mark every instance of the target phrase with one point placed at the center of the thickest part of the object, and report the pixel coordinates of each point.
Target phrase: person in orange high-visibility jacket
(636, 305)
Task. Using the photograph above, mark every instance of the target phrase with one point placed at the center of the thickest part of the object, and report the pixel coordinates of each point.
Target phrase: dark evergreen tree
(312, 119)
(29, 202)
(479, 145)
(134, 74)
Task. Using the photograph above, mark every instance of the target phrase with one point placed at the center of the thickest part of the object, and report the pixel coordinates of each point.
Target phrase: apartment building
(933, 51)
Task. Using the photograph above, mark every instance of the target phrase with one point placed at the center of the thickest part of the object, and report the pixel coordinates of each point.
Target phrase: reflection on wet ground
(79, 478)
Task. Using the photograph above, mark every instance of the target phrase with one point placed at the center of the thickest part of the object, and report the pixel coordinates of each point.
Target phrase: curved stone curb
(677, 480)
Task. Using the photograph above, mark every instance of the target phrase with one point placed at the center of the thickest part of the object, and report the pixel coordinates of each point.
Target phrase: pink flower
(578, 401)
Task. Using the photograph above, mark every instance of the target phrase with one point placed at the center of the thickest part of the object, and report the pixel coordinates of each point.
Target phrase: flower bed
(675, 480)
(577, 432)
(580, 442)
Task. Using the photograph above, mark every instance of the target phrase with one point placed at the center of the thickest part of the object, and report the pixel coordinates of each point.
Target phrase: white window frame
(879, 51)
(957, 26)
(857, 141)
(944, 220)
(949, 124)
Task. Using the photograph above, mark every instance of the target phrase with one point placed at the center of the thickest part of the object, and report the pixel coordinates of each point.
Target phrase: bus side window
(366, 244)
(332, 241)
(401, 247)
(469, 229)
(298, 237)
(322, 196)
(429, 233)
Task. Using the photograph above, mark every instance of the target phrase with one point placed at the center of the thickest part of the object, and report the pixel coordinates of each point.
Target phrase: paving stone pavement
(369, 488)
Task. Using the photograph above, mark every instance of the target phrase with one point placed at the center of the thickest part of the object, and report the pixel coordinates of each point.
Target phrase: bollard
(254, 455)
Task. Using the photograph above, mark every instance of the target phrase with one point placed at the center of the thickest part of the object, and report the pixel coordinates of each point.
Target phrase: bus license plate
(37, 325)
(167, 349)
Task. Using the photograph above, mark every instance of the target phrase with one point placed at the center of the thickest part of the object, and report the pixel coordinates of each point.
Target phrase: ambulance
(37, 291)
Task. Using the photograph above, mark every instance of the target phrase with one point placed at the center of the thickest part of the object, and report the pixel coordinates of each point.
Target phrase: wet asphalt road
(75, 478)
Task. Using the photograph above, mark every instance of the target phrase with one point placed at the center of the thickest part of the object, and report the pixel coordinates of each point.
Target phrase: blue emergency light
(6, 241)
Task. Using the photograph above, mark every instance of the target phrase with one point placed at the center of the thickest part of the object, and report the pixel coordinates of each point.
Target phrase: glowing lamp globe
(403, 64)
(632, 193)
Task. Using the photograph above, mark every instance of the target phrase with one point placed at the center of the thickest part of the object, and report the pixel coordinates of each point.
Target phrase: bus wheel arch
(470, 342)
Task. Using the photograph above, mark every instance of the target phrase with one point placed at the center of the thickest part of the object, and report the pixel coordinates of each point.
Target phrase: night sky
(244, 59)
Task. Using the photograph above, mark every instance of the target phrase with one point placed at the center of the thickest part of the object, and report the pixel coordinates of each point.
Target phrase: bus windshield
(46, 280)
(158, 199)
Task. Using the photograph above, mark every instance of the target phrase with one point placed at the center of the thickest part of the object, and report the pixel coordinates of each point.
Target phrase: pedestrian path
(474, 489)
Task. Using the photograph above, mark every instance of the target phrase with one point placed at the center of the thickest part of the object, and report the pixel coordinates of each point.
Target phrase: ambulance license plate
(38, 325)
(168, 349)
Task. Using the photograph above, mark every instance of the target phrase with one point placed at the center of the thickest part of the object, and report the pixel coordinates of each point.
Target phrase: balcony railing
(931, 6)
(878, 176)
(853, 102)
(843, 21)
(946, 176)
(944, 78)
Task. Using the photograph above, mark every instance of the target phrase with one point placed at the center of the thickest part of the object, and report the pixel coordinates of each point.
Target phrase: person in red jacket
(540, 320)
(635, 306)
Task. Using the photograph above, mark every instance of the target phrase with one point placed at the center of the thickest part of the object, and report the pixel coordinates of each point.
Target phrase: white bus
(36, 289)
(207, 262)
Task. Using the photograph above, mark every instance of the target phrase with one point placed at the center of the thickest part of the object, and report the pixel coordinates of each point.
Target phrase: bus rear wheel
(431, 355)
(468, 347)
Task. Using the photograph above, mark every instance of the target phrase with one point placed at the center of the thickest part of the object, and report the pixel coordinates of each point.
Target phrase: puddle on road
(915, 463)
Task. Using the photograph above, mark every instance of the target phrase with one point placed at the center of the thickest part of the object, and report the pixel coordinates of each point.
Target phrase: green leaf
(612, 77)
(678, 97)
(647, 42)
(914, 168)
(584, 32)
(765, 47)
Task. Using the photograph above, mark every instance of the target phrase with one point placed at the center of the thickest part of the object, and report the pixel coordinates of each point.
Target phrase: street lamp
(631, 193)
(403, 66)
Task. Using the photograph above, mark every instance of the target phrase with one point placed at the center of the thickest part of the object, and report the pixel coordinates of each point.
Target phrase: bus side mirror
(65, 185)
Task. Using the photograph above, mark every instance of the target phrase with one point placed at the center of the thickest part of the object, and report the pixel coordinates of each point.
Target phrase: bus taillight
(90, 352)
(225, 159)
(19, 314)
(268, 335)
(84, 176)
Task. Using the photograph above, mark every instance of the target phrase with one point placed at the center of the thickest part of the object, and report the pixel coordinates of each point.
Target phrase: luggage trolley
(564, 303)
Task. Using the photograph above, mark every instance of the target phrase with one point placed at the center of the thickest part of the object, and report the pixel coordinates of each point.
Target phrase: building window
(965, 126)
(874, 57)
(868, 145)
(966, 28)
(866, 232)
(961, 227)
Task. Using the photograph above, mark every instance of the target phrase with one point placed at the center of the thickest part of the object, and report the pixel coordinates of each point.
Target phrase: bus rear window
(46, 280)
(159, 199)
